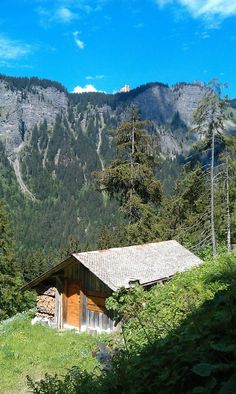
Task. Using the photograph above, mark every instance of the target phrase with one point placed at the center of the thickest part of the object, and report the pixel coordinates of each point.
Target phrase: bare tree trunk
(132, 152)
(227, 206)
(212, 194)
(132, 162)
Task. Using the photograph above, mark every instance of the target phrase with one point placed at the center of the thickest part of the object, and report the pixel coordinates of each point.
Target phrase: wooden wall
(92, 294)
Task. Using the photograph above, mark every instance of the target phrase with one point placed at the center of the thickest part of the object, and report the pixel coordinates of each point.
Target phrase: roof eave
(45, 275)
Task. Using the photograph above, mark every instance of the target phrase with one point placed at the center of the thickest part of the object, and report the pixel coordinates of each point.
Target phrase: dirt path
(100, 130)
(23, 187)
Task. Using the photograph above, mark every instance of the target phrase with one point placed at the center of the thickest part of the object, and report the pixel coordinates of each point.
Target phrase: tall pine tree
(131, 181)
(209, 118)
(11, 299)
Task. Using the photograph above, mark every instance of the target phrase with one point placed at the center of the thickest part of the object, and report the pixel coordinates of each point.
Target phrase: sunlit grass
(35, 350)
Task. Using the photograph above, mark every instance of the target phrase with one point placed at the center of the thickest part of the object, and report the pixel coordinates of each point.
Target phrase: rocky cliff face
(22, 106)
(21, 109)
(164, 105)
(160, 103)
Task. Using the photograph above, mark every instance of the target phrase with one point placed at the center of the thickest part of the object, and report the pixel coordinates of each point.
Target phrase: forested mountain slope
(52, 142)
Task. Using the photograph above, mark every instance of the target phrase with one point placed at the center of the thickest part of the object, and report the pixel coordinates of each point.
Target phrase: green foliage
(185, 215)
(189, 323)
(131, 181)
(73, 382)
(29, 84)
(11, 300)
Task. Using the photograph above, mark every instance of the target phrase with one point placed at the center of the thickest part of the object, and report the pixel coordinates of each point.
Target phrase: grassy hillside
(35, 350)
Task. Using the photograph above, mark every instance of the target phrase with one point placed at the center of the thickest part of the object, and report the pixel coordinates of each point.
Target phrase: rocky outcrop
(21, 109)
(161, 103)
(187, 98)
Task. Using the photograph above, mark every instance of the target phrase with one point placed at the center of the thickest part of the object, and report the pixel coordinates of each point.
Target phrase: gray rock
(20, 110)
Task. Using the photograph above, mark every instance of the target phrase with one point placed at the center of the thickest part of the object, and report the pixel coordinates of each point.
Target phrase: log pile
(46, 304)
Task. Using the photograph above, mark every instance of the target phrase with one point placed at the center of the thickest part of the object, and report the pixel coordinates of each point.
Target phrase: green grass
(35, 350)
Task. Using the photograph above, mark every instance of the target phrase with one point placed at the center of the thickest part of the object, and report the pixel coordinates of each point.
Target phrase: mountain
(52, 142)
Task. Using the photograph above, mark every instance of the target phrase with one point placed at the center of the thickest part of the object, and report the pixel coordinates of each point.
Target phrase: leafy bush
(70, 383)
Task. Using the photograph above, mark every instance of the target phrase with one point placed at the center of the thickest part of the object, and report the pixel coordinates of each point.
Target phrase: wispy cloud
(61, 14)
(205, 8)
(139, 26)
(66, 11)
(91, 78)
(203, 35)
(64, 15)
(86, 89)
(79, 43)
(13, 49)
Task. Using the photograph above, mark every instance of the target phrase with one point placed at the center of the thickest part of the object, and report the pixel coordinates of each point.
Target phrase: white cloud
(60, 14)
(205, 8)
(64, 15)
(66, 11)
(90, 77)
(139, 26)
(79, 43)
(86, 89)
(13, 49)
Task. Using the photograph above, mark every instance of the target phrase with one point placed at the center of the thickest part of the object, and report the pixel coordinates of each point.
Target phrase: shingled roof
(146, 263)
(116, 267)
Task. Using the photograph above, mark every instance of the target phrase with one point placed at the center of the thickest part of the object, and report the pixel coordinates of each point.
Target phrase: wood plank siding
(73, 307)
(80, 302)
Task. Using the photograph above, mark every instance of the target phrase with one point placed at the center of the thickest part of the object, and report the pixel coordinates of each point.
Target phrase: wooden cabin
(73, 293)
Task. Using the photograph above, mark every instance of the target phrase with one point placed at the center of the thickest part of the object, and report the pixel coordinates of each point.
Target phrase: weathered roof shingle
(147, 263)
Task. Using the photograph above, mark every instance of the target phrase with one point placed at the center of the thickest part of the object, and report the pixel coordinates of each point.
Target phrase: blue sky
(106, 43)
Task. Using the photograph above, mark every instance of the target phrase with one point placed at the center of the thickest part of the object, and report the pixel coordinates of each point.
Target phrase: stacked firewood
(46, 303)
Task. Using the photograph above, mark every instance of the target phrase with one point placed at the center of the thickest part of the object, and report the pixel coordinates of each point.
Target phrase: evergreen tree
(130, 180)
(11, 300)
(185, 216)
(209, 123)
(227, 191)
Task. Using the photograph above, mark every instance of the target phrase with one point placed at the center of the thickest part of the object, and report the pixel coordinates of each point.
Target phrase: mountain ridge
(55, 140)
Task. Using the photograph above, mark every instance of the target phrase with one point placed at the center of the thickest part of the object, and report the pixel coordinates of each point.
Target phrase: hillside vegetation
(35, 350)
(177, 338)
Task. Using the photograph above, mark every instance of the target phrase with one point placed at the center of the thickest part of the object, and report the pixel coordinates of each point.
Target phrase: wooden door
(73, 307)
